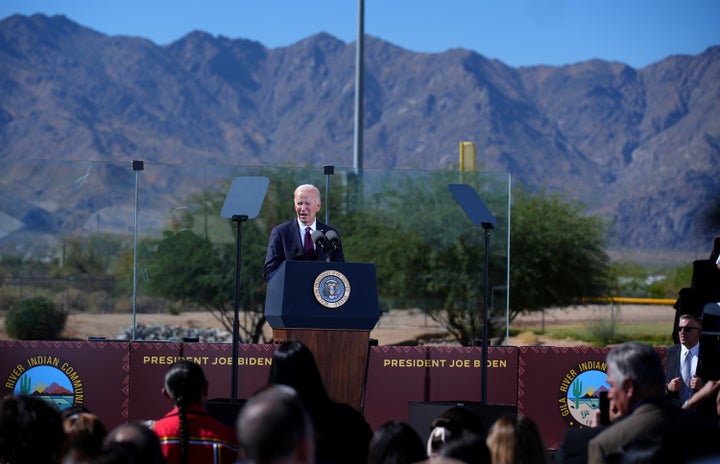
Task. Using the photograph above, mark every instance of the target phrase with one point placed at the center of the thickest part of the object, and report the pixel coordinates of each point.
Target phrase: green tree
(427, 253)
(557, 254)
(675, 279)
(185, 266)
(430, 256)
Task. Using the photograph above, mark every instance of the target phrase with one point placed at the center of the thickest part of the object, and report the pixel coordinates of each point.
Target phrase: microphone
(320, 240)
(334, 239)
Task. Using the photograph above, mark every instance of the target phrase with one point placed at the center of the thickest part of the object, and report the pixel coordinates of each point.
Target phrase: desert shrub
(35, 318)
(604, 332)
(528, 338)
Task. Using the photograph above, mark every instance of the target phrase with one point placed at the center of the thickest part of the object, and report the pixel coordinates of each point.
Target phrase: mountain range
(638, 147)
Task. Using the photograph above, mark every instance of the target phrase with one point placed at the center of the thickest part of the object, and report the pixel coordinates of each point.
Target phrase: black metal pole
(486, 298)
(359, 90)
(239, 218)
(328, 170)
(137, 165)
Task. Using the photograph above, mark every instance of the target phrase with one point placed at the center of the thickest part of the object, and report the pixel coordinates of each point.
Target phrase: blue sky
(516, 32)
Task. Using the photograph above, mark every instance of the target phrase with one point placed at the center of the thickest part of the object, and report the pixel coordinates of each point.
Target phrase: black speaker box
(225, 410)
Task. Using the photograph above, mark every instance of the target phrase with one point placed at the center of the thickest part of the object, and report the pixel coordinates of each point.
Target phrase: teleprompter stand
(480, 215)
(422, 413)
(243, 201)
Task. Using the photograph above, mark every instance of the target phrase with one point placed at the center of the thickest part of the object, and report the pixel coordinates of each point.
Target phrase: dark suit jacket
(285, 244)
(657, 432)
(672, 355)
(574, 445)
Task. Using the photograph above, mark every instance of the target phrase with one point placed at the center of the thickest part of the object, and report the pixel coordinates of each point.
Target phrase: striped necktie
(687, 391)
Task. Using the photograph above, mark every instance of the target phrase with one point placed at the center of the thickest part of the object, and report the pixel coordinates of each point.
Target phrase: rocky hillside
(641, 147)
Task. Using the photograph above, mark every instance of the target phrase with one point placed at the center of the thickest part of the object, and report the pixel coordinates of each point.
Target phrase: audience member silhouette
(274, 427)
(573, 447)
(31, 431)
(137, 440)
(516, 439)
(468, 447)
(341, 433)
(453, 422)
(188, 434)
(651, 428)
(84, 435)
(395, 442)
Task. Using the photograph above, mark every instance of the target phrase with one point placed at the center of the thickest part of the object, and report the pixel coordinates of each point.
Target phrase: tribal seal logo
(332, 289)
(579, 393)
(49, 378)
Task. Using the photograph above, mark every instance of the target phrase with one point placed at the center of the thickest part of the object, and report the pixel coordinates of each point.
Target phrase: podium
(331, 308)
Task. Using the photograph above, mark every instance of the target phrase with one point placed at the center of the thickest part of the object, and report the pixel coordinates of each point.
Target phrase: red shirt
(210, 441)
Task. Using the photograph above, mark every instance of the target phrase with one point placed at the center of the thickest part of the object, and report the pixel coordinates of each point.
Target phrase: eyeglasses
(686, 329)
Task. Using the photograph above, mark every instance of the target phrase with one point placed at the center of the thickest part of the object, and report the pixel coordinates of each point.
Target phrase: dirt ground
(395, 327)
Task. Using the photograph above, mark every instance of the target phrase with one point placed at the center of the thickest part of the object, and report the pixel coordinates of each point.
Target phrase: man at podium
(303, 238)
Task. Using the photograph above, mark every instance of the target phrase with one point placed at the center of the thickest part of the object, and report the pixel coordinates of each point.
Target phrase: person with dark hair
(514, 439)
(573, 447)
(274, 427)
(395, 442)
(292, 240)
(188, 434)
(341, 433)
(31, 431)
(468, 448)
(453, 423)
(84, 435)
(138, 441)
(650, 428)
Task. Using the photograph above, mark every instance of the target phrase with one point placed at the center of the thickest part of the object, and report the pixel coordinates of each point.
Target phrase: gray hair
(307, 187)
(638, 362)
(691, 317)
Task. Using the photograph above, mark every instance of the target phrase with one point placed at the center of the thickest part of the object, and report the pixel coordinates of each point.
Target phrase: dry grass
(411, 326)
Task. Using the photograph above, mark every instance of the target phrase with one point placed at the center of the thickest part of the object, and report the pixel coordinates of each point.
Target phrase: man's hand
(708, 390)
(696, 383)
(675, 385)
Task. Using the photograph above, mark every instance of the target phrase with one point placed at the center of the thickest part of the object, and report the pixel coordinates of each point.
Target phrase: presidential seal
(332, 289)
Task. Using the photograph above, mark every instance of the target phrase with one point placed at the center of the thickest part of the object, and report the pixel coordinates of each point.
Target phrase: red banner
(120, 381)
(150, 361)
(398, 375)
(558, 387)
(90, 374)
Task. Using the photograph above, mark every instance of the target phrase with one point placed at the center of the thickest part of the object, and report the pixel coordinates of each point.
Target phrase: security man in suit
(292, 240)
(681, 385)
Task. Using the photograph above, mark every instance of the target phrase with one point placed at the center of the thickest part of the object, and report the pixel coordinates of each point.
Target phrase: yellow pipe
(631, 300)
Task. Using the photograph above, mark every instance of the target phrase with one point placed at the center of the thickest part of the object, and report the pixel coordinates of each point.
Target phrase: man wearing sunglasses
(683, 361)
